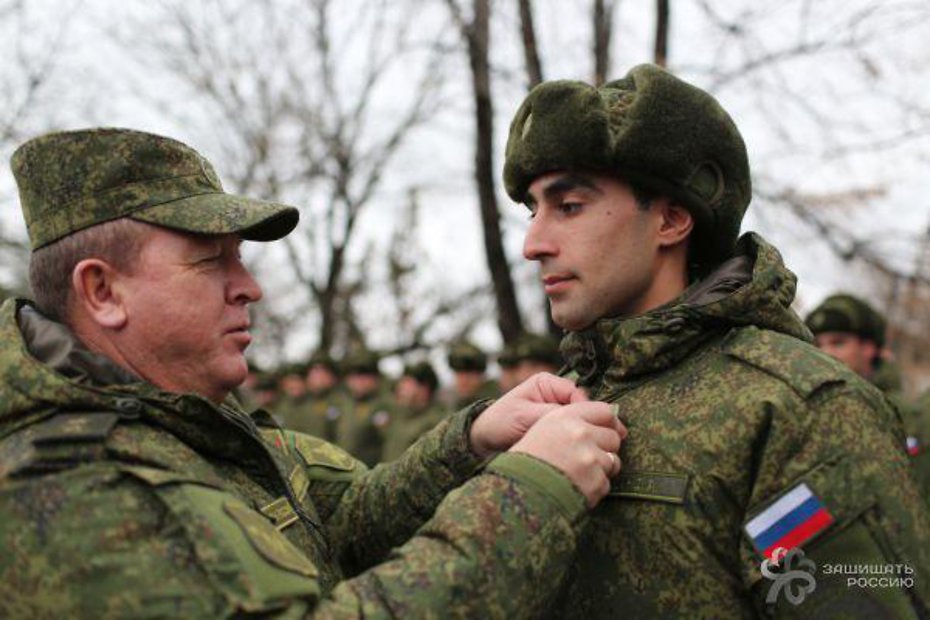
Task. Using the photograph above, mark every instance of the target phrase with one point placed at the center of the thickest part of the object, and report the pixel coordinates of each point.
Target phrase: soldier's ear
(98, 293)
(675, 223)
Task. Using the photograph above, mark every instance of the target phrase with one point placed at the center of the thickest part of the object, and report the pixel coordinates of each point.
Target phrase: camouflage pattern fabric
(408, 425)
(71, 180)
(363, 426)
(119, 500)
(488, 390)
(915, 415)
(313, 414)
(728, 409)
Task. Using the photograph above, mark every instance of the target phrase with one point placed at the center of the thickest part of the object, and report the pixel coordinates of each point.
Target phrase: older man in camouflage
(748, 448)
(131, 485)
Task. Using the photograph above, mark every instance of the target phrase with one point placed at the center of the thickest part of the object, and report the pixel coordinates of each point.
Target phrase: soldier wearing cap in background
(317, 410)
(415, 409)
(133, 485)
(507, 361)
(292, 391)
(536, 353)
(362, 426)
(468, 364)
(744, 440)
(850, 330)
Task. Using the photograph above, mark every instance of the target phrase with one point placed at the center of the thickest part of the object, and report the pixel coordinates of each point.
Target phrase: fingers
(553, 389)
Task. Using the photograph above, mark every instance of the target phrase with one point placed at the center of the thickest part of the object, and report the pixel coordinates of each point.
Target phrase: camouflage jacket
(408, 425)
(314, 414)
(733, 420)
(120, 500)
(363, 426)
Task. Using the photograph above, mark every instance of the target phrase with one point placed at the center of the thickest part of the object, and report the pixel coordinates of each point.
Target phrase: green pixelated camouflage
(847, 313)
(407, 425)
(728, 408)
(363, 424)
(314, 414)
(71, 180)
(464, 355)
(119, 500)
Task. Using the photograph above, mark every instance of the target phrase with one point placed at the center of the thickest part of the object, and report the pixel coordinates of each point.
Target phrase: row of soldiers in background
(374, 418)
(853, 332)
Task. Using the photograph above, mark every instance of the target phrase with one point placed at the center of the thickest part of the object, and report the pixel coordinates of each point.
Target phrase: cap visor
(220, 214)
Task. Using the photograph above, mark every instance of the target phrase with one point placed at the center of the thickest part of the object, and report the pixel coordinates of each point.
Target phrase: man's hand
(581, 440)
(511, 416)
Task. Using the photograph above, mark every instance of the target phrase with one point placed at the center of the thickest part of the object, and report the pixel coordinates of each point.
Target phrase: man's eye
(569, 208)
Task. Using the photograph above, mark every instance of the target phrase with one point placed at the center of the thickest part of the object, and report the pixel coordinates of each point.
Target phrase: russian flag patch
(792, 520)
(913, 446)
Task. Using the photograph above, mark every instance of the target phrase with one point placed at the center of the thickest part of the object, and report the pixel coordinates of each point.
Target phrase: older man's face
(187, 307)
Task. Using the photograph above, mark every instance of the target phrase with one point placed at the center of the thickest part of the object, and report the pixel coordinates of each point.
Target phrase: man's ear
(675, 225)
(97, 290)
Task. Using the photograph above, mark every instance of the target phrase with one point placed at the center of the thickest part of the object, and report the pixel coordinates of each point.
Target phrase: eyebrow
(563, 184)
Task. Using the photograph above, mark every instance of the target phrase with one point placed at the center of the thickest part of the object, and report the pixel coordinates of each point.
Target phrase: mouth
(557, 283)
(241, 334)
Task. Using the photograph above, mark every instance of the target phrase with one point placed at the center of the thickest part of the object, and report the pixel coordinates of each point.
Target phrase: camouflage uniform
(409, 423)
(732, 415)
(466, 357)
(362, 426)
(315, 414)
(727, 410)
(121, 500)
(118, 499)
(849, 314)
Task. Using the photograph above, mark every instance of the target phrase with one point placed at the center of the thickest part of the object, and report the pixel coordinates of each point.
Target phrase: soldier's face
(187, 313)
(595, 246)
(467, 382)
(849, 349)
(320, 378)
(362, 384)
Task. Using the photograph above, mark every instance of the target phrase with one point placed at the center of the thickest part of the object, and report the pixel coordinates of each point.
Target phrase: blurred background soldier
(850, 330)
(317, 412)
(468, 364)
(415, 409)
(536, 353)
(361, 428)
(507, 361)
(292, 392)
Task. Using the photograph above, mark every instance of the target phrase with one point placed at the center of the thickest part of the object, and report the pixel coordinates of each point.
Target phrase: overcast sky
(797, 116)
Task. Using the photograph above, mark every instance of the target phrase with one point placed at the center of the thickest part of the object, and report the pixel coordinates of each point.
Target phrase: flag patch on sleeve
(792, 520)
(913, 446)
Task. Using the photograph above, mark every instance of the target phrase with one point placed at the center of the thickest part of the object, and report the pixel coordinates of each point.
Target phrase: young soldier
(747, 446)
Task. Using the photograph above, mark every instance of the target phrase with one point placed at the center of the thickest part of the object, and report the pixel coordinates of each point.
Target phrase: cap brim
(220, 214)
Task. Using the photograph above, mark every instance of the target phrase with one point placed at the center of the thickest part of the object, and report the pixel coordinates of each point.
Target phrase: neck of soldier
(669, 280)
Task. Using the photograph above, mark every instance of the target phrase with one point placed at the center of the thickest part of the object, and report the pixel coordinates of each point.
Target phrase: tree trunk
(509, 320)
(662, 17)
(603, 20)
(533, 65)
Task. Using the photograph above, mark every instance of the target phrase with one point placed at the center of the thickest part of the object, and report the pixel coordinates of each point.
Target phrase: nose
(243, 289)
(539, 242)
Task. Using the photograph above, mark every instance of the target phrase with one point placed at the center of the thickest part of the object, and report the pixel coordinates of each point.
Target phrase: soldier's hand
(511, 416)
(581, 440)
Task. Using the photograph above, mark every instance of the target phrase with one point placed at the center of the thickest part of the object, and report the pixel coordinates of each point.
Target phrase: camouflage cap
(322, 358)
(650, 128)
(849, 314)
(423, 373)
(362, 362)
(465, 356)
(539, 348)
(508, 357)
(71, 180)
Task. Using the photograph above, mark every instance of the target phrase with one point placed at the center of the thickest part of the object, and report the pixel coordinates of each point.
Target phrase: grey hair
(117, 242)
